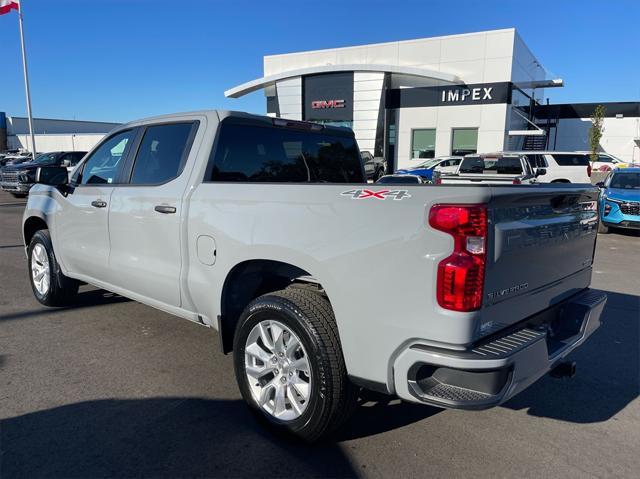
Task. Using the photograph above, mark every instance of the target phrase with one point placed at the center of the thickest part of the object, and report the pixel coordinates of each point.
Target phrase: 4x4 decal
(379, 195)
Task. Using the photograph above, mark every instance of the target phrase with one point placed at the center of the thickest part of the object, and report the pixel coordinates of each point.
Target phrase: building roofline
(67, 120)
(394, 42)
(260, 83)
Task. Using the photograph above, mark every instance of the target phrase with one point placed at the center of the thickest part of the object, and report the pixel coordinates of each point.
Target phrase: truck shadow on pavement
(608, 371)
(378, 413)
(161, 437)
(86, 299)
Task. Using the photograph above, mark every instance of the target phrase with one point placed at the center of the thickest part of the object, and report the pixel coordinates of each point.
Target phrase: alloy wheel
(277, 370)
(40, 269)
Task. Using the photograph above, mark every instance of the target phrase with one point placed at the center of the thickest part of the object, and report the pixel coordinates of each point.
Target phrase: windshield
(45, 158)
(428, 164)
(627, 181)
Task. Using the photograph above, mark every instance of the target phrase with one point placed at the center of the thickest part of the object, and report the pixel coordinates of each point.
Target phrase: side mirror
(600, 184)
(52, 175)
(541, 172)
(65, 163)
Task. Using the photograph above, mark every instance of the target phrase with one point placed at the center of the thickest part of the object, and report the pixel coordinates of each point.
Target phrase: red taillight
(517, 181)
(461, 275)
(589, 171)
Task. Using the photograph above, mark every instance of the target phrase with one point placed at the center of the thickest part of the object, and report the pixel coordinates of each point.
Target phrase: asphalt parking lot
(114, 388)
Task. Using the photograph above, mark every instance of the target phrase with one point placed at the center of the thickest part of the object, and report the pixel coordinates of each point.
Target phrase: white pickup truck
(266, 230)
(493, 168)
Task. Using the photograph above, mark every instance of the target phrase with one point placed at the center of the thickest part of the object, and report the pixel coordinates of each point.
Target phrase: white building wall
(367, 93)
(617, 139)
(46, 143)
(290, 98)
(475, 57)
(488, 119)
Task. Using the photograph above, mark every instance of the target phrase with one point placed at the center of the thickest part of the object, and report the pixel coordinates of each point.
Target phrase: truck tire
(49, 285)
(289, 364)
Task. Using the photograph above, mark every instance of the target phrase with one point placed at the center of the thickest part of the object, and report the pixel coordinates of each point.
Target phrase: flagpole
(26, 81)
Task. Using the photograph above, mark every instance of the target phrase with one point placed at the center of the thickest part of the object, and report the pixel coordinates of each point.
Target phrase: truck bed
(376, 256)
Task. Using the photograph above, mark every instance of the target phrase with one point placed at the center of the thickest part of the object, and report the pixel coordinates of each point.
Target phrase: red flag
(7, 5)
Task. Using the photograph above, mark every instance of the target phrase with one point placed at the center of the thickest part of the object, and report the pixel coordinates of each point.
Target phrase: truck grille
(632, 208)
(9, 176)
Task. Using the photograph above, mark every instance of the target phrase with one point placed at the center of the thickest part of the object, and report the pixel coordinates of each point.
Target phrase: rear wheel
(289, 364)
(49, 285)
(19, 195)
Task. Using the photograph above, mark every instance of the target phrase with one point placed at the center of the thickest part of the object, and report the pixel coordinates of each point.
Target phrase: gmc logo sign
(320, 104)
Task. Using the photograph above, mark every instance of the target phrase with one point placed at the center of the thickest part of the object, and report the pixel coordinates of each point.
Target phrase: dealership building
(449, 95)
(51, 134)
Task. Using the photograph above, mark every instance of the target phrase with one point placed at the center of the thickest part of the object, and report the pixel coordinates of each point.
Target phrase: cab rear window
(499, 166)
(571, 160)
(250, 153)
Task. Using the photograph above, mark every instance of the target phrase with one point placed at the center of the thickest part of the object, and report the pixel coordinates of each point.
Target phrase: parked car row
(17, 177)
(497, 168)
(521, 166)
(619, 203)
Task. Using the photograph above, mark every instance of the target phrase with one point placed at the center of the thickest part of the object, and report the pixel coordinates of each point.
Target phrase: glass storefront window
(423, 143)
(464, 141)
(342, 123)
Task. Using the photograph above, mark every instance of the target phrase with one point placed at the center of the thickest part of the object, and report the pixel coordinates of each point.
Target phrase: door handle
(98, 204)
(165, 209)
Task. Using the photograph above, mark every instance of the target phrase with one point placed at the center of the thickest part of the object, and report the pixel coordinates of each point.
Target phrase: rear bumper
(498, 368)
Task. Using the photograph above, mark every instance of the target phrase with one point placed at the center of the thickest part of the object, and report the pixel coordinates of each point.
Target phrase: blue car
(445, 165)
(620, 200)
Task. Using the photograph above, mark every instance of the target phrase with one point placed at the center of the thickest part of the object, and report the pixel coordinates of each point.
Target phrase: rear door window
(537, 161)
(251, 153)
(571, 159)
(161, 154)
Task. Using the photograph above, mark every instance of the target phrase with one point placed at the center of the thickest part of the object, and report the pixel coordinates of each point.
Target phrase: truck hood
(623, 194)
(29, 165)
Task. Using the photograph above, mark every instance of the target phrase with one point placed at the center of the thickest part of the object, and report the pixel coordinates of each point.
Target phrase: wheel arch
(561, 180)
(248, 280)
(31, 225)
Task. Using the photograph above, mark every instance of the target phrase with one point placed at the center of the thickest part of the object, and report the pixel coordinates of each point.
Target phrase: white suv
(561, 166)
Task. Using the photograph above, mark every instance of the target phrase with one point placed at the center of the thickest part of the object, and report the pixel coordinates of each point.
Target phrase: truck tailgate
(539, 238)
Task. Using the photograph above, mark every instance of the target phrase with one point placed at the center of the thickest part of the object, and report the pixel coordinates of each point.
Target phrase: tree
(596, 130)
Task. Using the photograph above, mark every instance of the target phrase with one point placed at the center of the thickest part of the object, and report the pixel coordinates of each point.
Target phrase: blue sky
(117, 60)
